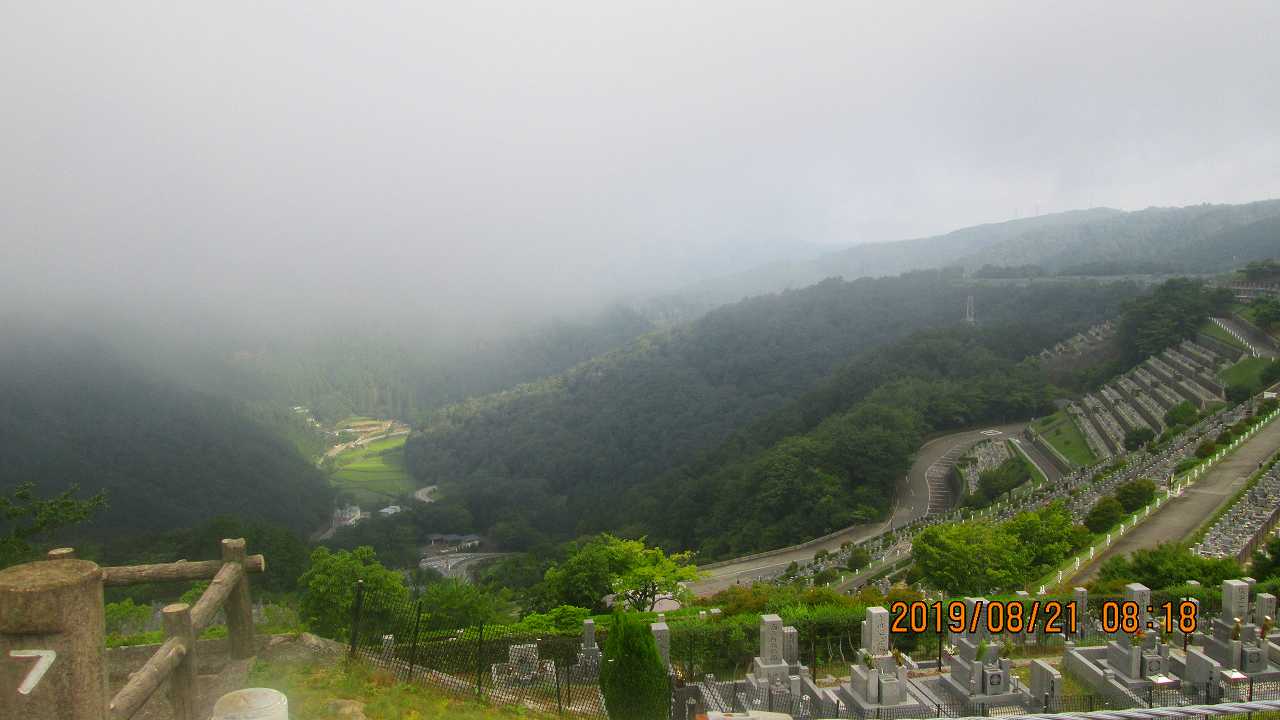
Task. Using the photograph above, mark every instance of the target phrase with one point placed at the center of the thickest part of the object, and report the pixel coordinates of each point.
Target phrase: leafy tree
(126, 618)
(1104, 514)
(1266, 311)
(328, 588)
(1049, 534)
(1183, 414)
(1270, 374)
(637, 574)
(632, 678)
(1137, 437)
(287, 554)
(29, 518)
(585, 577)
(1172, 312)
(970, 558)
(453, 603)
(1238, 392)
(859, 557)
(1135, 494)
(649, 574)
(1205, 449)
(1266, 560)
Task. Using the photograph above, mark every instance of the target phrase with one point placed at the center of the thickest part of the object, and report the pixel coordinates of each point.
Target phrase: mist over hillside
(1193, 239)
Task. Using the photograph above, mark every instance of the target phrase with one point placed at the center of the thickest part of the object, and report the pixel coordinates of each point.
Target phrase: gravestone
(771, 639)
(588, 665)
(1046, 684)
(790, 645)
(875, 631)
(1235, 601)
(1140, 595)
(1081, 599)
(1264, 607)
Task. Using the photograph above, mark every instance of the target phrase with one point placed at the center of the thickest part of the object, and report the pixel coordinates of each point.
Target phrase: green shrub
(1104, 515)
(632, 678)
(1136, 494)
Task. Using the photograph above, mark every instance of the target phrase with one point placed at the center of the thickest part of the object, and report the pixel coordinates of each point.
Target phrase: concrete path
(1182, 516)
(912, 504)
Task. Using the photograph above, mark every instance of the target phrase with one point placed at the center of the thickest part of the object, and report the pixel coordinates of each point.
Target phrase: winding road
(913, 500)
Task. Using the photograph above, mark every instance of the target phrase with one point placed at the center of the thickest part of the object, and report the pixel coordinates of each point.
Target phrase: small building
(349, 515)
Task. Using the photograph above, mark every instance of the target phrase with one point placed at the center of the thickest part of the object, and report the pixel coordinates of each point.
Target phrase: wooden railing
(36, 607)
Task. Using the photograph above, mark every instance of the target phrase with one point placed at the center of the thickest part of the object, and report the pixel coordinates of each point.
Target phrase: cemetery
(986, 455)
(1246, 522)
(1140, 398)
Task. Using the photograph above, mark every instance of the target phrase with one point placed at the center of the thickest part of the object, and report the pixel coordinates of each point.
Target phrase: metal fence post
(480, 661)
(559, 703)
(413, 646)
(357, 607)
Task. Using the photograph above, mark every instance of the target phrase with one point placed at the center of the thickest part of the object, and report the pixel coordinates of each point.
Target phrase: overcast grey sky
(468, 158)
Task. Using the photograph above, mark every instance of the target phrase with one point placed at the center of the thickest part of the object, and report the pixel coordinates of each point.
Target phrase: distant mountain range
(1197, 238)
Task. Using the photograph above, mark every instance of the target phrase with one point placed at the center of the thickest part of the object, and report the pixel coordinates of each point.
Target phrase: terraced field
(373, 473)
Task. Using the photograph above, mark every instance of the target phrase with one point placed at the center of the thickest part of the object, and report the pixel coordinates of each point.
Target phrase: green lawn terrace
(1062, 435)
(1247, 372)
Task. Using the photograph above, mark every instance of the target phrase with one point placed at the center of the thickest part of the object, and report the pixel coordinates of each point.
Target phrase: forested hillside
(1193, 239)
(73, 412)
(407, 372)
(583, 451)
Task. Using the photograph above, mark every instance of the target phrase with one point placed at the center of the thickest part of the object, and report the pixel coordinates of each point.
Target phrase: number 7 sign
(44, 658)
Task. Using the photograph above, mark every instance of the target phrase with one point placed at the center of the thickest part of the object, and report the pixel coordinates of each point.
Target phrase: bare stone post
(183, 690)
(52, 644)
(239, 607)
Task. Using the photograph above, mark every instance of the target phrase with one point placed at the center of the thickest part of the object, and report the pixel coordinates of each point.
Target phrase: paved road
(457, 565)
(912, 504)
(1182, 516)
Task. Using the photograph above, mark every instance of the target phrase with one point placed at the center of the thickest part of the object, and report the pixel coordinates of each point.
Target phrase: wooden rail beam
(213, 598)
(144, 683)
(172, 572)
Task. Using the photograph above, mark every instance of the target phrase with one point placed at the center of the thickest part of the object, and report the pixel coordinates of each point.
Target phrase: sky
(462, 163)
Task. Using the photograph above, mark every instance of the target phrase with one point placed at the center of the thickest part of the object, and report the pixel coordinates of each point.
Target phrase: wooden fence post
(52, 644)
(183, 691)
(239, 607)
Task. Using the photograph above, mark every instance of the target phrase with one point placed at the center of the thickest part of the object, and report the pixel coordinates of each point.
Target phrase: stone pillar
(662, 636)
(52, 644)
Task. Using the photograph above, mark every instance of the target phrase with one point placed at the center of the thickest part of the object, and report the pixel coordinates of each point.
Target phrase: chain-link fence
(553, 675)
(542, 673)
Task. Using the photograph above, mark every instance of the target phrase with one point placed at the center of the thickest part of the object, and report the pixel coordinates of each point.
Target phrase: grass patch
(311, 689)
(1211, 329)
(1061, 432)
(1247, 372)
(374, 472)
